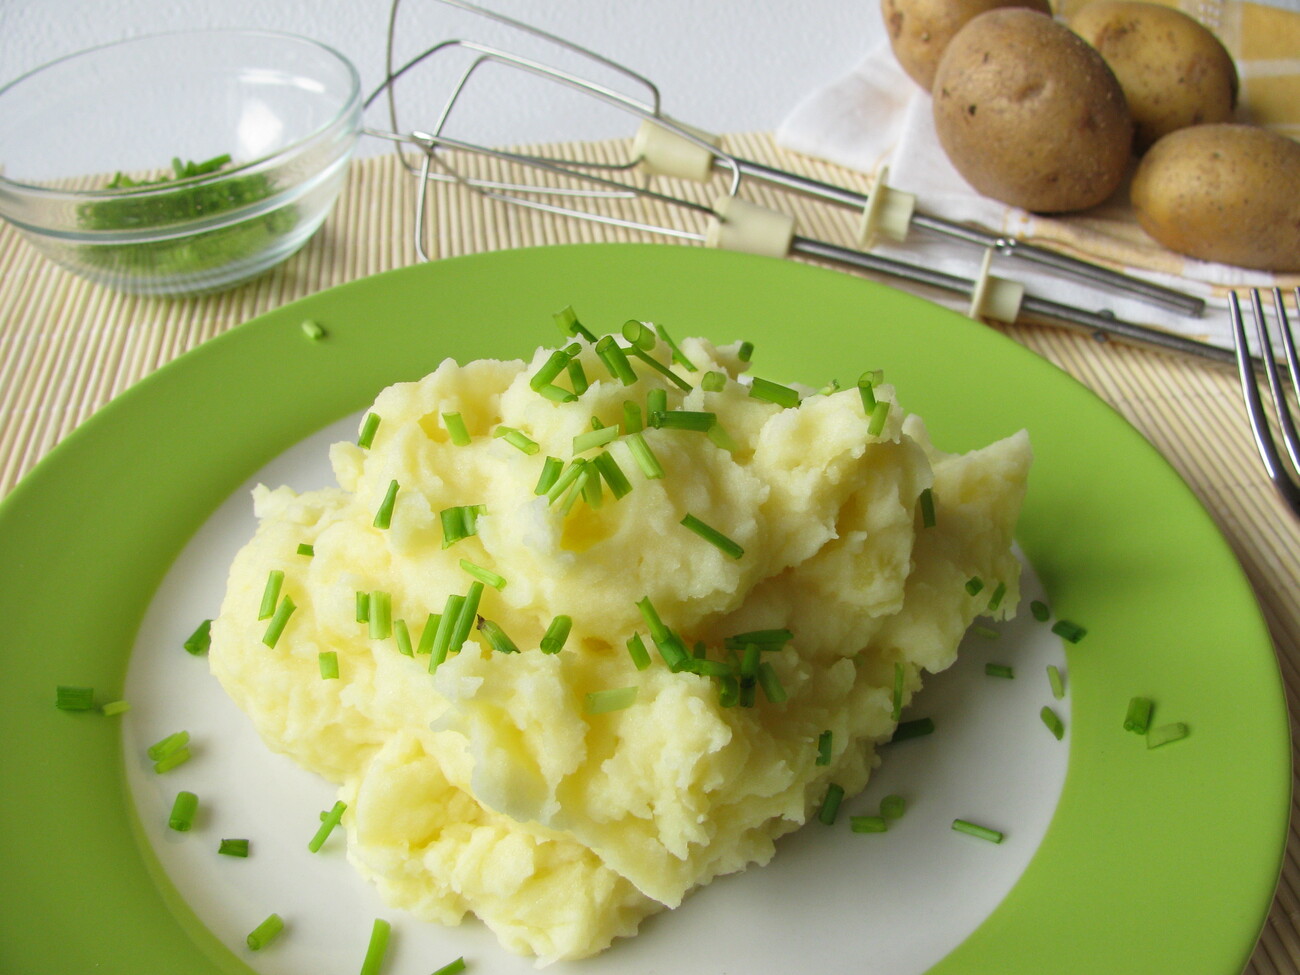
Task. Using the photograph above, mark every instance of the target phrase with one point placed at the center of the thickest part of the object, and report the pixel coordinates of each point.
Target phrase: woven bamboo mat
(68, 347)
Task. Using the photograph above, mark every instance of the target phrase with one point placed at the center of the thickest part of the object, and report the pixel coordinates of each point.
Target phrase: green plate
(1155, 861)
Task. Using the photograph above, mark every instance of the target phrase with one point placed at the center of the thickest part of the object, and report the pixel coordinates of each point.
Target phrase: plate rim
(277, 334)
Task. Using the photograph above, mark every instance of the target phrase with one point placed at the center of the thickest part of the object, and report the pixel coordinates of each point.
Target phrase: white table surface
(721, 65)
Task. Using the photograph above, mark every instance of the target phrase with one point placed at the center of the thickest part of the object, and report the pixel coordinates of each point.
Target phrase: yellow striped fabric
(68, 347)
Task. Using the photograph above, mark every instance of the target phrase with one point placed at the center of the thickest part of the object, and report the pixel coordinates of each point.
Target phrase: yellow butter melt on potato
(489, 786)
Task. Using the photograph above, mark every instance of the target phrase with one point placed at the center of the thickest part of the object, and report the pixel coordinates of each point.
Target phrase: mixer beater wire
(664, 147)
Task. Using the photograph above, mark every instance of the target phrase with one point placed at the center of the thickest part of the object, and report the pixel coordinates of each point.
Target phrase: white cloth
(877, 116)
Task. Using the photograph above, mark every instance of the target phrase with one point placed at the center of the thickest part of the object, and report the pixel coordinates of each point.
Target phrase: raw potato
(1030, 114)
(1225, 193)
(1174, 71)
(919, 30)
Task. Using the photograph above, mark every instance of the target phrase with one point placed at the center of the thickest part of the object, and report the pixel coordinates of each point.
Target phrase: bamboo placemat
(68, 347)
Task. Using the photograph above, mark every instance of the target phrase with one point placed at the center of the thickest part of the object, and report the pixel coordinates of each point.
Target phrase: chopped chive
(896, 710)
(233, 848)
(867, 390)
(452, 967)
(651, 616)
(915, 728)
(556, 634)
(384, 516)
(363, 607)
(714, 381)
(591, 439)
(999, 593)
(728, 691)
(678, 355)
(713, 536)
(115, 707)
(428, 633)
(1056, 682)
(927, 508)
(271, 594)
(644, 456)
(879, 416)
(771, 683)
(402, 637)
(329, 664)
(456, 429)
(517, 439)
(708, 668)
(567, 320)
(1053, 722)
(987, 632)
(656, 401)
(486, 575)
(639, 334)
(467, 617)
(184, 808)
(773, 639)
(377, 947)
(720, 438)
(673, 651)
(979, 832)
(566, 479)
(1068, 630)
(577, 377)
(312, 330)
(1166, 733)
(749, 663)
(868, 824)
(369, 426)
(179, 757)
(592, 492)
(306, 549)
(610, 699)
(276, 626)
(496, 637)
(831, 804)
(198, 642)
(636, 649)
(684, 420)
(745, 352)
(167, 746)
(632, 422)
(265, 933)
(825, 741)
(974, 584)
(608, 467)
(441, 645)
(660, 368)
(999, 670)
(771, 392)
(459, 522)
(74, 698)
(576, 490)
(558, 394)
(1138, 718)
(381, 615)
(551, 368)
(893, 806)
(831, 387)
(551, 468)
(1039, 610)
(327, 824)
(615, 360)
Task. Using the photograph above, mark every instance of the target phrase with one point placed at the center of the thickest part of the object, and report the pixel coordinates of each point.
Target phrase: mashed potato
(488, 781)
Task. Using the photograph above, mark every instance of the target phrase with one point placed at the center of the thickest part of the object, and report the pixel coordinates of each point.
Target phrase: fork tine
(1274, 463)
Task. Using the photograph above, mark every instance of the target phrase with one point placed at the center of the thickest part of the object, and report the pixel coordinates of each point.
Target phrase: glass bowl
(178, 163)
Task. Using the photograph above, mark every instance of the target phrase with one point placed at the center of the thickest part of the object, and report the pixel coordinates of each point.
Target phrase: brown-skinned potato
(1226, 193)
(1174, 71)
(919, 30)
(1030, 114)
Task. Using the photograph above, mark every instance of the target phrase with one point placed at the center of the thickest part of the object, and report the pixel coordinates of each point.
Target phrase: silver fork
(1248, 368)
